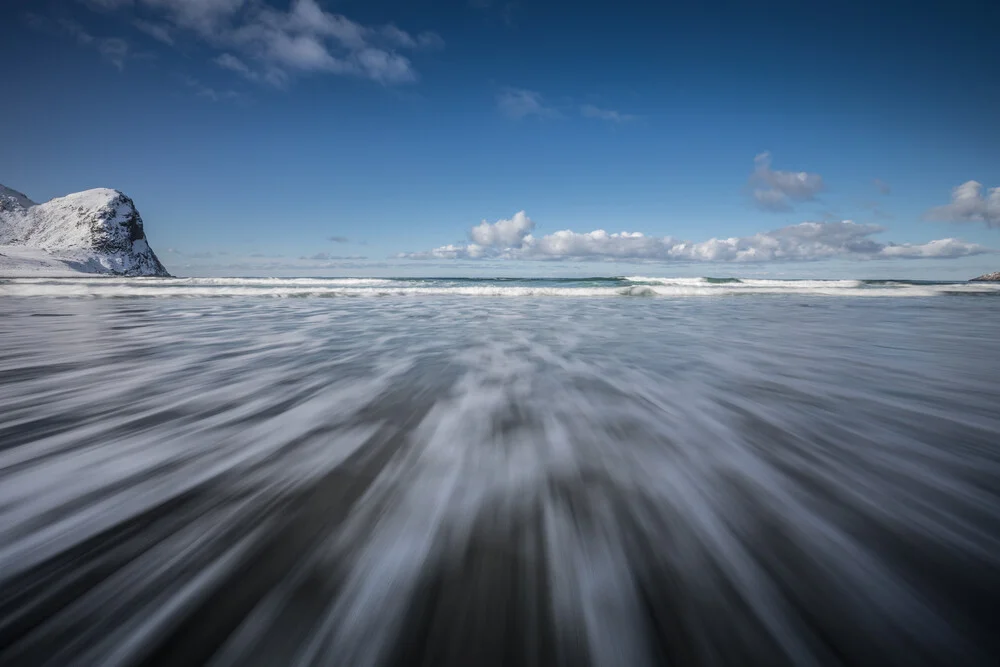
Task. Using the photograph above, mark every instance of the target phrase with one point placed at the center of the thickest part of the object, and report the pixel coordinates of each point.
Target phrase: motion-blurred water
(787, 477)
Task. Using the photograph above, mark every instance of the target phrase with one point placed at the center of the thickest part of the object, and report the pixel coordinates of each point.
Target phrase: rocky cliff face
(96, 231)
(988, 277)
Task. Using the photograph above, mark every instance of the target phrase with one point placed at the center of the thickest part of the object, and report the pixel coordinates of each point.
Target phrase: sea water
(611, 471)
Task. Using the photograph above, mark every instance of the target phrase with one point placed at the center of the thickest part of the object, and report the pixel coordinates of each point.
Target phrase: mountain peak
(95, 231)
(11, 200)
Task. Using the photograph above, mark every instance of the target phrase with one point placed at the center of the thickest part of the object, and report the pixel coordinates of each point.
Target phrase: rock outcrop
(96, 231)
(987, 278)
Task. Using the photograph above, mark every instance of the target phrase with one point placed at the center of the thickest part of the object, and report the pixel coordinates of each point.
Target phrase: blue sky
(253, 134)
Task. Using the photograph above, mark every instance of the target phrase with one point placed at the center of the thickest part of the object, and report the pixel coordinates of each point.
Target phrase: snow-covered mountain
(95, 231)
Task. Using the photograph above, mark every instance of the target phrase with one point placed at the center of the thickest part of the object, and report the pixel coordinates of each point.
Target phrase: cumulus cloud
(267, 44)
(771, 200)
(807, 241)
(518, 103)
(775, 190)
(503, 233)
(591, 111)
(970, 204)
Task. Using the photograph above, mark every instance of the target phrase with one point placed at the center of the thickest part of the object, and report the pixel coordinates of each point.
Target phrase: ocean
(603, 471)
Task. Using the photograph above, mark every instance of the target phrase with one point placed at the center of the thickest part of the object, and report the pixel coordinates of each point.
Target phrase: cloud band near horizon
(807, 241)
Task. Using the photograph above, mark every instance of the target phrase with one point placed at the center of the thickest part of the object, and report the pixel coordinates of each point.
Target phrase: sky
(531, 138)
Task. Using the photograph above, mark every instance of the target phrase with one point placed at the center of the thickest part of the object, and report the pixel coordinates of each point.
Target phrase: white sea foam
(386, 287)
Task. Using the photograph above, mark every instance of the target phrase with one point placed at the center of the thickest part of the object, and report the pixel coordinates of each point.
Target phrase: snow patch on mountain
(96, 231)
(12, 200)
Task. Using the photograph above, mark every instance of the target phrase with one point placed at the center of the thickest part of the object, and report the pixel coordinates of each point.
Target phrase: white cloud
(807, 241)
(518, 103)
(326, 257)
(115, 51)
(201, 90)
(202, 16)
(941, 248)
(385, 67)
(304, 52)
(503, 233)
(970, 204)
(591, 111)
(402, 39)
(274, 44)
(776, 190)
(308, 17)
(35, 21)
(106, 5)
(234, 64)
(158, 32)
(309, 39)
(76, 30)
(771, 200)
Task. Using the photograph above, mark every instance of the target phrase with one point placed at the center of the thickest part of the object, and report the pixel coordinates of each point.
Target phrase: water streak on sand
(492, 481)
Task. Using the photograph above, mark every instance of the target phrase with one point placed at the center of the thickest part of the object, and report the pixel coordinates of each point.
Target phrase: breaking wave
(475, 287)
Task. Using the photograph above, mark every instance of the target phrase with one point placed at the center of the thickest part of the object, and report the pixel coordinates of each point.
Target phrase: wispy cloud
(506, 9)
(591, 111)
(969, 204)
(209, 93)
(115, 51)
(34, 21)
(77, 31)
(404, 40)
(512, 240)
(159, 32)
(275, 44)
(327, 257)
(775, 190)
(882, 186)
(518, 103)
(338, 239)
(873, 209)
(192, 255)
(107, 5)
(232, 63)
